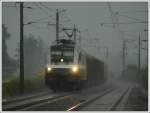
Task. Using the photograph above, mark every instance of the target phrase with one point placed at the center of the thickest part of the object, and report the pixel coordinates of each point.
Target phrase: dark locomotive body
(95, 71)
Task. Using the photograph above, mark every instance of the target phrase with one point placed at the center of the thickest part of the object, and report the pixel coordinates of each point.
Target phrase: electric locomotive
(67, 68)
(70, 67)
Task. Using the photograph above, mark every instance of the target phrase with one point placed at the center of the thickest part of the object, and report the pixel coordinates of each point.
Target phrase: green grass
(141, 78)
(144, 77)
(11, 87)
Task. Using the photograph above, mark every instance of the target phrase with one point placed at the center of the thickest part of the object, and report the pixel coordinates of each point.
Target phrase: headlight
(49, 69)
(75, 69)
(61, 59)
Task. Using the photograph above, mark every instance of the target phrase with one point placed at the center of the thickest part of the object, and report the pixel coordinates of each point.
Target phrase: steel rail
(81, 105)
(26, 103)
(4, 102)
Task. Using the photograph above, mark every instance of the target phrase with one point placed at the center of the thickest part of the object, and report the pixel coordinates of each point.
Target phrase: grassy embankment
(11, 87)
(142, 78)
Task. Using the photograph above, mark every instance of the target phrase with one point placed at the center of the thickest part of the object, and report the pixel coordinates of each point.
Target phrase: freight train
(72, 68)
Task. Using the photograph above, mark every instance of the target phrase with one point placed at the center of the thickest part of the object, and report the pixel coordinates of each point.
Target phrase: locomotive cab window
(62, 54)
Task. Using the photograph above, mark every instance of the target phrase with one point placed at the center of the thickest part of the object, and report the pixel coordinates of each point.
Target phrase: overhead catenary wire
(40, 20)
(8, 6)
(39, 6)
(135, 11)
(133, 18)
(46, 7)
(34, 21)
(11, 6)
(33, 25)
(142, 22)
(44, 18)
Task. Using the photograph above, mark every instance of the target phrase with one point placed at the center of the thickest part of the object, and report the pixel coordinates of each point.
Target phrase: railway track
(39, 102)
(18, 104)
(64, 103)
(117, 105)
(109, 98)
(22, 98)
(81, 105)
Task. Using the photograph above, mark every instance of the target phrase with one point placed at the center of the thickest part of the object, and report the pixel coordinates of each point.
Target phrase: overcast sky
(88, 18)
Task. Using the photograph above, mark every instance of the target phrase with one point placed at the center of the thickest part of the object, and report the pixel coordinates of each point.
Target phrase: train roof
(64, 42)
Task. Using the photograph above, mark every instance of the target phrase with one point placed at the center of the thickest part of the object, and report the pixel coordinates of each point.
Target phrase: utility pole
(107, 53)
(21, 50)
(139, 62)
(74, 31)
(57, 26)
(80, 38)
(146, 51)
(123, 59)
(107, 61)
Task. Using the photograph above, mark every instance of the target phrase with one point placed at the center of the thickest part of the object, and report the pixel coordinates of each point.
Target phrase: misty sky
(88, 18)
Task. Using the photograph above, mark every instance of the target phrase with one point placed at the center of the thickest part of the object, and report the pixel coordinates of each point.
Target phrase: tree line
(34, 50)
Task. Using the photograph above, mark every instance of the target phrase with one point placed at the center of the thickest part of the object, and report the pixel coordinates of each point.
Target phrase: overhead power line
(43, 10)
(8, 6)
(135, 11)
(142, 22)
(46, 7)
(139, 20)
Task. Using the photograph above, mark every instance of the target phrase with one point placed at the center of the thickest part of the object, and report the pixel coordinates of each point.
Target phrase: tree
(9, 65)
(5, 36)
(33, 55)
(132, 72)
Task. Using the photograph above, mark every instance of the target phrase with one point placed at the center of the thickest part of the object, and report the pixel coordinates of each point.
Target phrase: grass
(11, 87)
(144, 77)
(141, 78)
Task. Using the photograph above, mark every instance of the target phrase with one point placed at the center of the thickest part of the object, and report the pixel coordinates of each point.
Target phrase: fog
(89, 17)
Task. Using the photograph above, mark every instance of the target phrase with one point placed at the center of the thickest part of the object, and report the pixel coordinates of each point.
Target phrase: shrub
(144, 77)
(11, 87)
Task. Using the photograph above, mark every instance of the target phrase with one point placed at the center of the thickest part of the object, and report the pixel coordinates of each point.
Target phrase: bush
(11, 87)
(144, 77)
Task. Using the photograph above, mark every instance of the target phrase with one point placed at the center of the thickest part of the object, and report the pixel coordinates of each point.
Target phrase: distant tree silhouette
(9, 65)
(33, 55)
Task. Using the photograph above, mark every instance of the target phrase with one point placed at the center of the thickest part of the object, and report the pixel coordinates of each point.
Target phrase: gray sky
(85, 16)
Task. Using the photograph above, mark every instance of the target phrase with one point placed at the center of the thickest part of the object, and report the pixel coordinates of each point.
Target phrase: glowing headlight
(75, 69)
(49, 69)
(61, 59)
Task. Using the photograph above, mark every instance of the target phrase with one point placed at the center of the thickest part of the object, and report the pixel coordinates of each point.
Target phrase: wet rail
(28, 101)
(88, 101)
(117, 104)
(111, 96)
(66, 103)
(25, 97)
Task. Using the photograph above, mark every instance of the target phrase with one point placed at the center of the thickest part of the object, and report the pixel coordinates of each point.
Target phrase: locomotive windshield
(58, 53)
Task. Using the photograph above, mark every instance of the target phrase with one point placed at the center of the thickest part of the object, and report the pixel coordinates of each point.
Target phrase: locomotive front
(62, 70)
